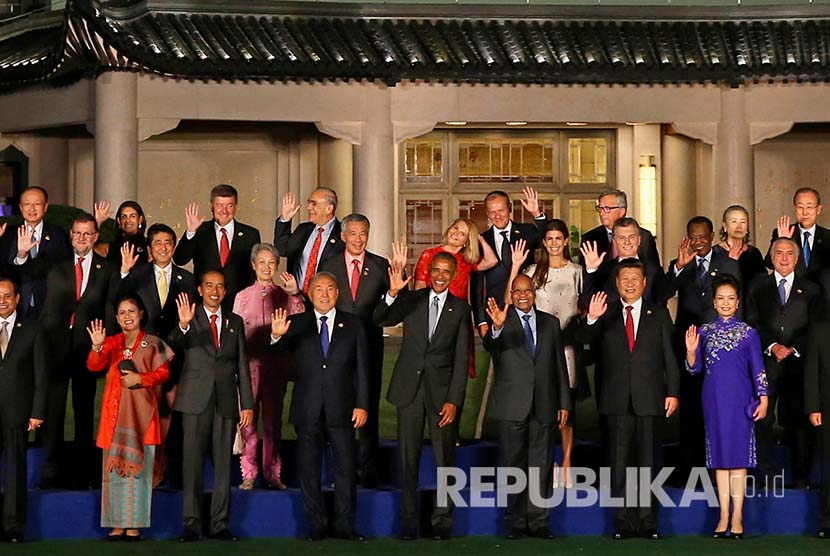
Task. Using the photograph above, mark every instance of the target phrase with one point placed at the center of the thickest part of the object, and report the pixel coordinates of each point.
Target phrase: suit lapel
(149, 288)
(337, 332)
(203, 322)
(444, 318)
(14, 336)
(643, 328)
(94, 276)
(370, 272)
(420, 316)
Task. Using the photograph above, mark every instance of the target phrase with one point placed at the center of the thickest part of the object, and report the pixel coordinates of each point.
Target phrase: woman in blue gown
(729, 353)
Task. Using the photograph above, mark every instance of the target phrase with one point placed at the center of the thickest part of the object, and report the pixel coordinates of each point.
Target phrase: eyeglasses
(85, 235)
(604, 208)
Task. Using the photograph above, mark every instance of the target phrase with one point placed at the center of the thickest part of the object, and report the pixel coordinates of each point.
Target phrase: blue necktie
(701, 270)
(782, 291)
(806, 249)
(324, 336)
(531, 345)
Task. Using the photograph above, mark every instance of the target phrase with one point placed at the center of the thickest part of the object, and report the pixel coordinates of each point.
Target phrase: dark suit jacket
(333, 385)
(208, 372)
(647, 252)
(817, 370)
(788, 325)
(524, 381)
(819, 254)
(641, 379)
(492, 282)
(31, 277)
(95, 303)
(291, 244)
(441, 363)
(23, 375)
(142, 281)
(203, 250)
(603, 280)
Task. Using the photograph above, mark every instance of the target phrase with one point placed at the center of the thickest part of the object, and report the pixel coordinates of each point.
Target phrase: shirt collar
(811, 229)
(167, 270)
(638, 305)
(328, 226)
(218, 313)
(229, 227)
(789, 277)
(707, 257)
(11, 320)
(521, 313)
(441, 296)
(330, 315)
(507, 229)
(360, 258)
(38, 229)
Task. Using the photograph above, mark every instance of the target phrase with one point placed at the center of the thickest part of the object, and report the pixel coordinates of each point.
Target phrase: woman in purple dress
(734, 397)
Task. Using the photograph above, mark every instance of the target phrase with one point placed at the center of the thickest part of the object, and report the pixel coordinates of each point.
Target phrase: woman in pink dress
(269, 370)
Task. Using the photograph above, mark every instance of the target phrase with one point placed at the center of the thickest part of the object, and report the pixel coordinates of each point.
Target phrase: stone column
(116, 137)
(733, 153)
(374, 170)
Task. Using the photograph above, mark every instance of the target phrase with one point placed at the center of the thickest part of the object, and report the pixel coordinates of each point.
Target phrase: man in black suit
(429, 380)
(32, 251)
(363, 278)
(529, 399)
(690, 275)
(611, 206)
(222, 243)
(23, 375)
(330, 400)
(599, 271)
(638, 386)
(312, 242)
(79, 290)
(817, 408)
(782, 306)
(813, 241)
(214, 393)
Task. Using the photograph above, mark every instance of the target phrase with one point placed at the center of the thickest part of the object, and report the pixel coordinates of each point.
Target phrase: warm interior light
(648, 193)
(515, 123)
(456, 123)
(575, 123)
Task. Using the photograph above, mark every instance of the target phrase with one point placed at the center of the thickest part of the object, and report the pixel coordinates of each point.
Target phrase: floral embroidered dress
(734, 379)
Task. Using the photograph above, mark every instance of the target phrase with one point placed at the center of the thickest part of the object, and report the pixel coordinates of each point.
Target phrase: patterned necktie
(805, 248)
(162, 287)
(4, 338)
(505, 247)
(355, 278)
(612, 248)
(531, 344)
(324, 335)
(224, 247)
(433, 316)
(629, 327)
(782, 291)
(701, 270)
(214, 330)
(33, 252)
(311, 267)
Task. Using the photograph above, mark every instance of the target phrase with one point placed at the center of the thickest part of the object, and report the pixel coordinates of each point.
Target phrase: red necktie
(355, 277)
(215, 331)
(79, 281)
(311, 267)
(224, 247)
(629, 327)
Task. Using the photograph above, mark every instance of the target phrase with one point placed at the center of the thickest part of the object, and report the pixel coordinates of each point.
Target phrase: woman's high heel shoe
(719, 534)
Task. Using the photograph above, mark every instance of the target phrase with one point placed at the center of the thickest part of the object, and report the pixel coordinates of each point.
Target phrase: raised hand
(531, 202)
(97, 332)
(400, 252)
(497, 315)
(279, 323)
(3, 231)
(598, 305)
(685, 253)
(128, 257)
(736, 249)
(592, 258)
(396, 280)
(518, 253)
(186, 310)
(290, 206)
(102, 211)
(289, 283)
(24, 242)
(783, 227)
(692, 339)
(191, 214)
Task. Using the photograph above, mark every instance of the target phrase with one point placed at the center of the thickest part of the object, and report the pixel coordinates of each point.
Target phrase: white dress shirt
(812, 231)
(496, 333)
(499, 238)
(329, 320)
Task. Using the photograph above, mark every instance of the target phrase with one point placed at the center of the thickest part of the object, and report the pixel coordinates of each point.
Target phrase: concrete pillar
(733, 152)
(336, 168)
(374, 170)
(116, 137)
(681, 181)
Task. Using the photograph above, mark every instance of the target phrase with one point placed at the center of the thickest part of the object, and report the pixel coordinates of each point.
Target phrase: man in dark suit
(362, 278)
(79, 290)
(817, 408)
(690, 275)
(330, 400)
(429, 380)
(638, 385)
(530, 397)
(32, 251)
(222, 243)
(23, 388)
(782, 306)
(312, 242)
(214, 392)
(813, 241)
(611, 206)
(599, 271)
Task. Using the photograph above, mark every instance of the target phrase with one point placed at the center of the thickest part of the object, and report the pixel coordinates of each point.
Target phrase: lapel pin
(239, 234)
(18, 325)
(178, 276)
(230, 330)
(331, 240)
(144, 343)
(799, 291)
(648, 312)
(449, 309)
(339, 325)
(47, 238)
(365, 272)
(98, 266)
(714, 273)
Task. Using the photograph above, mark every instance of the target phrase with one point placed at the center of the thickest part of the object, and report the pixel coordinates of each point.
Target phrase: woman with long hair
(131, 224)
(735, 241)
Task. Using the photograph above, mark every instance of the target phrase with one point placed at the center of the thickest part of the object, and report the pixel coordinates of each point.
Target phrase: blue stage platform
(62, 514)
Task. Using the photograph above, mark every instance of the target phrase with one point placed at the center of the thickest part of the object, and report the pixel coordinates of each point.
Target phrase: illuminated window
(423, 160)
(587, 160)
(647, 197)
(505, 160)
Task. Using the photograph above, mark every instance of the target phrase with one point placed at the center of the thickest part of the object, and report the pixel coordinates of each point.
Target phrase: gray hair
(321, 274)
(330, 194)
(620, 196)
(785, 240)
(260, 247)
(354, 217)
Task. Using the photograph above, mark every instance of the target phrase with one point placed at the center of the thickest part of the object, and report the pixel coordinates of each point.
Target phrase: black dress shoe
(622, 535)
(719, 534)
(514, 534)
(440, 534)
(409, 535)
(823, 533)
(651, 534)
(541, 534)
(132, 538)
(223, 535)
(349, 536)
(189, 535)
(115, 538)
(14, 536)
(316, 535)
